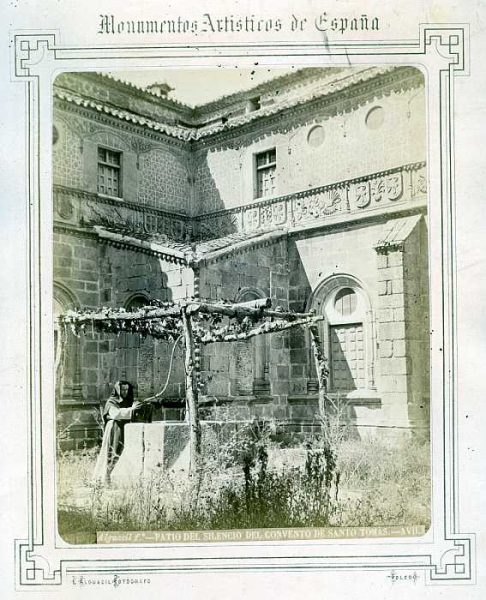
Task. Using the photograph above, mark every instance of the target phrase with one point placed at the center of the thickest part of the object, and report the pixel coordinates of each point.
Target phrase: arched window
(68, 375)
(346, 333)
(129, 346)
(251, 359)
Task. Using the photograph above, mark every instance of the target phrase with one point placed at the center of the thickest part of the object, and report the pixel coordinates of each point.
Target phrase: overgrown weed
(362, 483)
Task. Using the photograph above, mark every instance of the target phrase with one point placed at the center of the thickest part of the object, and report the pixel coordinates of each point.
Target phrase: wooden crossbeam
(262, 329)
(179, 321)
(254, 309)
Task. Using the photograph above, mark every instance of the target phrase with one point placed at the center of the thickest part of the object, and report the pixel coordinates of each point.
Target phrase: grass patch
(244, 483)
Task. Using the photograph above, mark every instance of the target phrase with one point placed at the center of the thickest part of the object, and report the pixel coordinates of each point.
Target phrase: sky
(198, 86)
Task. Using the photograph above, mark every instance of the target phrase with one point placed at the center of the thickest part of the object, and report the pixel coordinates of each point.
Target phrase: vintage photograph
(241, 299)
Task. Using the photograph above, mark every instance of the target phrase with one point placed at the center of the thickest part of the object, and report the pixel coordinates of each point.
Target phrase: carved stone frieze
(375, 190)
(353, 196)
(419, 183)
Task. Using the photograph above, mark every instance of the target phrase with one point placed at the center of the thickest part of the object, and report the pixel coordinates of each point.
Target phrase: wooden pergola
(199, 323)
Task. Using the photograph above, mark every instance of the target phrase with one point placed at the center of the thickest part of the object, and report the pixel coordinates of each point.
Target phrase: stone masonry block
(300, 355)
(297, 371)
(382, 260)
(394, 301)
(399, 313)
(395, 259)
(60, 261)
(279, 293)
(393, 383)
(279, 357)
(386, 315)
(276, 342)
(63, 250)
(174, 278)
(394, 366)
(385, 349)
(218, 386)
(85, 275)
(398, 286)
(280, 387)
(384, 287)
(393, 273)
(392, 331)
(298, 386)
(219, 362)
(399, 348)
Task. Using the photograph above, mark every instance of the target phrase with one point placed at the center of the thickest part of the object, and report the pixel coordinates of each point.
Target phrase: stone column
(392, 363)
(402, 324)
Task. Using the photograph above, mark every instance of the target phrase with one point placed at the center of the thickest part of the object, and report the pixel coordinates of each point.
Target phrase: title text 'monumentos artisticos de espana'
(208, 23)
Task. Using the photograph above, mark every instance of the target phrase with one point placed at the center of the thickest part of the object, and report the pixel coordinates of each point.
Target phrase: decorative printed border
(445, 554)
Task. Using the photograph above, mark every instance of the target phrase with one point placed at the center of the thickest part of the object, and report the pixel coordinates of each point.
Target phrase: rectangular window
(109, 172)
(265, 169)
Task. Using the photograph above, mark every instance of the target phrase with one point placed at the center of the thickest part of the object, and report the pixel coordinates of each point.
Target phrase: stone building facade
(309, 189)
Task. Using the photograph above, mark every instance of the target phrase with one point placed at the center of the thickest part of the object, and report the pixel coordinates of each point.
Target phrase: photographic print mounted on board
(241, 299)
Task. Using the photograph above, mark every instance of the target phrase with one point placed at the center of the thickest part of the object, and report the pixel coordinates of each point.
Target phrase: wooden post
(321, 369)
(191, 393)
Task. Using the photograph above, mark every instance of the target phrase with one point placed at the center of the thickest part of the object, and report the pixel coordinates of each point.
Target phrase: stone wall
(403, 330)
(416, 290)
(346, 258)
(229, 369)
(155, 170)
(334, 242)
(271, 376)
(89, 274)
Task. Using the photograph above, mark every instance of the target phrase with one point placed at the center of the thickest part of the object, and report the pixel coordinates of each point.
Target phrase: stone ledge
(367, 398)
(235, 400)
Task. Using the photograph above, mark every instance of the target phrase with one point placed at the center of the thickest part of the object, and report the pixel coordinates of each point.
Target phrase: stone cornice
(188, 256)
(357, 222)
(357, 84)
(295, 79)
(83, 232)
(121, 241)
(366, 199)
(311, 107)
(265, 239)
(135, 90)
(112, 120)
(195, 113)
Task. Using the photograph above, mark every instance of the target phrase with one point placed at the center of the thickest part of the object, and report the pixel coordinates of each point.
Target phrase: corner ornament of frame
(450, 42)
(32, 50)
(456, 563)
(35, 569)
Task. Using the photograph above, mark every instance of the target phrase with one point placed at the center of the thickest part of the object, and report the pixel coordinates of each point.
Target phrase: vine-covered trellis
(199, 323)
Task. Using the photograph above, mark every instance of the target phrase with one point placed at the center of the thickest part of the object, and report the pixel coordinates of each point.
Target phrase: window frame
(118, 168)
(258, 169)
(322, 301)
(334, 318)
